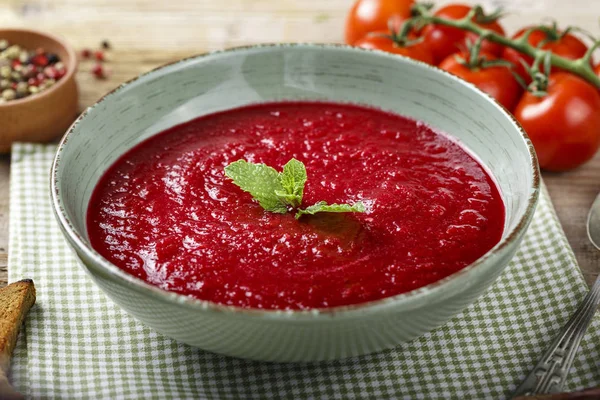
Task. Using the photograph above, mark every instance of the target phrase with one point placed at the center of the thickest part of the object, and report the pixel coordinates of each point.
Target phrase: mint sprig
(280, 192)
(322, 206)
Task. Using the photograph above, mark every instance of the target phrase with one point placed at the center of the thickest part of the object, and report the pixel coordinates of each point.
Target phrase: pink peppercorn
(51, 72)
(40, 60)
(98, 71)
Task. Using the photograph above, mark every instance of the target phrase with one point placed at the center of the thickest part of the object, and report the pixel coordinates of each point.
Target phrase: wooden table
(148, 33)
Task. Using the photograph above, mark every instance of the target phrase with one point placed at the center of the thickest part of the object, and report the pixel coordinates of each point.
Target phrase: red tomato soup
(166, 213)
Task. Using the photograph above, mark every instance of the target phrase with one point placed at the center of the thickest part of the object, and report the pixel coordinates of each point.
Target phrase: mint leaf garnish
(322, 206)
(261, 181)
(293, 179)
(278, 191)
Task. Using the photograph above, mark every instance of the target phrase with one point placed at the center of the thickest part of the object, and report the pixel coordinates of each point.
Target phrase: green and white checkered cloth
(77, 344)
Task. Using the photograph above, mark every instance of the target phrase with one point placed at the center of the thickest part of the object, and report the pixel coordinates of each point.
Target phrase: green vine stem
(581, 67)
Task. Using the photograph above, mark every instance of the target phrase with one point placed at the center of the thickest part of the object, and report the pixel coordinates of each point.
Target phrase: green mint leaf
(293, 179)
(261, 181)
(289, 199)
(322, 206)
(277, 191)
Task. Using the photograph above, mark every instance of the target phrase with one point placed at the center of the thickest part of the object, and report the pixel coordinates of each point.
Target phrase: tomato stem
(581, 67)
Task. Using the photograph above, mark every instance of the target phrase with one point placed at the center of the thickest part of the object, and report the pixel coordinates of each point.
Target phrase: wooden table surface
(148, 33)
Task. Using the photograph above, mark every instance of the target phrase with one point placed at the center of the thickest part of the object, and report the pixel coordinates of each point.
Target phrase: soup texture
(166, 213)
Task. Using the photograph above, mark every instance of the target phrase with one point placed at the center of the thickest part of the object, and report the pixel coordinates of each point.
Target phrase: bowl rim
(71, 69)
(410, 300)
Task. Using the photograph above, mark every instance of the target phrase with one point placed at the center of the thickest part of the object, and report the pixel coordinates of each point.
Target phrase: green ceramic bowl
(217, 81)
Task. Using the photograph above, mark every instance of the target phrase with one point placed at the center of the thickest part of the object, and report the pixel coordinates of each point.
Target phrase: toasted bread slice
(15, 301)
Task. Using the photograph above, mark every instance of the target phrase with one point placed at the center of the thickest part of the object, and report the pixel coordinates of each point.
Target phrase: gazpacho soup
(295, 205)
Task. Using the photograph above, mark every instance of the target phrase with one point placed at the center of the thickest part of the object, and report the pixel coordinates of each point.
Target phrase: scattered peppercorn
(24, 72)
(98, 71)
(99, 56)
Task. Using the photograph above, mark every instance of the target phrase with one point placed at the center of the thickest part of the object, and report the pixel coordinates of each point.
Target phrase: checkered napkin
(77, 344)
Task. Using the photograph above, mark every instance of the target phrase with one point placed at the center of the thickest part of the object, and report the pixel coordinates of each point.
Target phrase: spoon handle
(550, 373)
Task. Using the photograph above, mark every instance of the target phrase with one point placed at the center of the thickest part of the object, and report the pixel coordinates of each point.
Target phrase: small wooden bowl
(46, 115)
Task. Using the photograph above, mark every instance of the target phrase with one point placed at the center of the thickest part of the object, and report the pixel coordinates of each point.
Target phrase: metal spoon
(550, 373)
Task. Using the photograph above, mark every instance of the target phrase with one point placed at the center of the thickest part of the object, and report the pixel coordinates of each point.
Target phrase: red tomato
(569, 46)
(486, 45)
(445, 40)
(496, 81)
(564, 125)
(376, 40)
(373, 15)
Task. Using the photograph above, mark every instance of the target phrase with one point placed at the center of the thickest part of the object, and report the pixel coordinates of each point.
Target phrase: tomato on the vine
(374, 15)
(495, 80)
(487, 46)
(446, 40)
(382, 40)
(568, 46)
(564, 124)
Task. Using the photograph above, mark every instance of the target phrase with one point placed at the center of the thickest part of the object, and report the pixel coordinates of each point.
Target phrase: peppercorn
(98, 71)
(34, 89)
(99, 55)
(29, 71)
(24, 57)
(4, 84)
(50, 72)
(3, 44)
(5, 71)
(105, 45)
(60, 73)
(22, 89)
(13, 52)
(86, 53)
(53, 58)
(40, 60)
(47, 83)
(8, 94)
